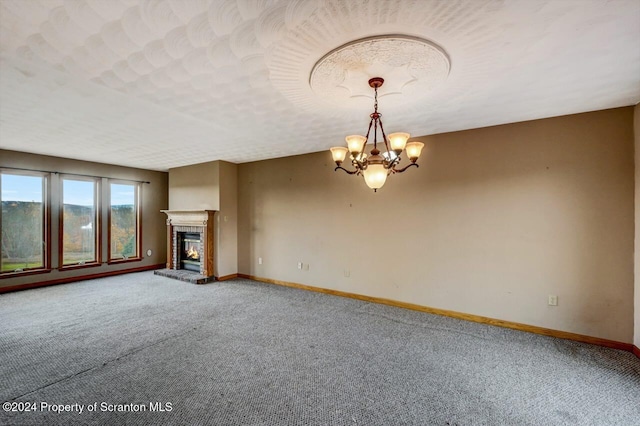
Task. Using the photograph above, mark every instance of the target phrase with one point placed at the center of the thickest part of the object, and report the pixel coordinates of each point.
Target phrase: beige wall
(494, 221)
(228, 220)
(211, 186)
(195, 187)
(154, 199)
(636, 127)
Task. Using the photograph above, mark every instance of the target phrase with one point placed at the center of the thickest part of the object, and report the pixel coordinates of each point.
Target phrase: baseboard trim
(80, 278)
(227, 277)
(459, 315)
(636, 351)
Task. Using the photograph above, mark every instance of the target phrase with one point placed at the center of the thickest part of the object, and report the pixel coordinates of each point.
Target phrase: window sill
(13, 274)
(78, 266)
(131, 259)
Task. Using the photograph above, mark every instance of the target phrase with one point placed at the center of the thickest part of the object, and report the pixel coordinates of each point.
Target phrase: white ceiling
(164, 83)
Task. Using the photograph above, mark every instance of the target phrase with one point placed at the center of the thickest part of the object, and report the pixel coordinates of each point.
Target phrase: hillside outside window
(23, 222)
(124, 222)
(79, 220)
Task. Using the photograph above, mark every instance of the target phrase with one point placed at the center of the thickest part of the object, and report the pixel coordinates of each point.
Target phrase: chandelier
(376, 167)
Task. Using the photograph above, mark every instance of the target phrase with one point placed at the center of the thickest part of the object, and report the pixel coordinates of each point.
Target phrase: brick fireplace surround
(191, 221)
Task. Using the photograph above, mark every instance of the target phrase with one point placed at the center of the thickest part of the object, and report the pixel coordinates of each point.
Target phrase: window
(80, 224)
(23, 224)
(124, 238)
(89, 207)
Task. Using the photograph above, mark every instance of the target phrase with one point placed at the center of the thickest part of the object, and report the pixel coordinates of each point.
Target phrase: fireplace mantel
(189, 217)
(201, 221)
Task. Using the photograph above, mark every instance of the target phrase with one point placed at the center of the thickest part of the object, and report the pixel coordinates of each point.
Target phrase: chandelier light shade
(377, 166)
(339, 153)
(414, 149)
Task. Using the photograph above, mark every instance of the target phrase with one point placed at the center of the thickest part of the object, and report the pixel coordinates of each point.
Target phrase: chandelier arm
(359, 165)
(384, 137)
(404, 168)
(367, 136)
(369, 129)
(395, 161)
(345, 170)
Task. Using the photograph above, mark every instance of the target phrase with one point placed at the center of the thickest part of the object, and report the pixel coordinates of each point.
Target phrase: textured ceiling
(164, 83)
(410, 67)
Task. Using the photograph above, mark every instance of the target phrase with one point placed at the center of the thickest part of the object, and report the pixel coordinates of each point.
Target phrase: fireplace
(190, 249)
(190, 237)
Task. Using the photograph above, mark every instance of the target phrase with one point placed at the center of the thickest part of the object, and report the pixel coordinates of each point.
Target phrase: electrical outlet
(299, 265)
(553, 300)
(347, 273)
(306, 266)
(259, 261)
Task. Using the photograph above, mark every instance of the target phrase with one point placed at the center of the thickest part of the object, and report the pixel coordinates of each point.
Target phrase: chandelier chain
(375, 104)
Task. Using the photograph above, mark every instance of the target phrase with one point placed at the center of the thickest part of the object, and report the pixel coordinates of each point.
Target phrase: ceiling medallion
(410, 64)
(376, 167)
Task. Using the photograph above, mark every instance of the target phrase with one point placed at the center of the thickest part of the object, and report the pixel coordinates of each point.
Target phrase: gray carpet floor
(246, 353)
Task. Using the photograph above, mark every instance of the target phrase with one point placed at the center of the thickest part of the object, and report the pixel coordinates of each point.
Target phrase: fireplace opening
(190, 246)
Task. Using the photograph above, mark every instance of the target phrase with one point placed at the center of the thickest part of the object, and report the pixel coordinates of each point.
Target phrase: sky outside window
(122, 194)
(21, 188)
(78, 192)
